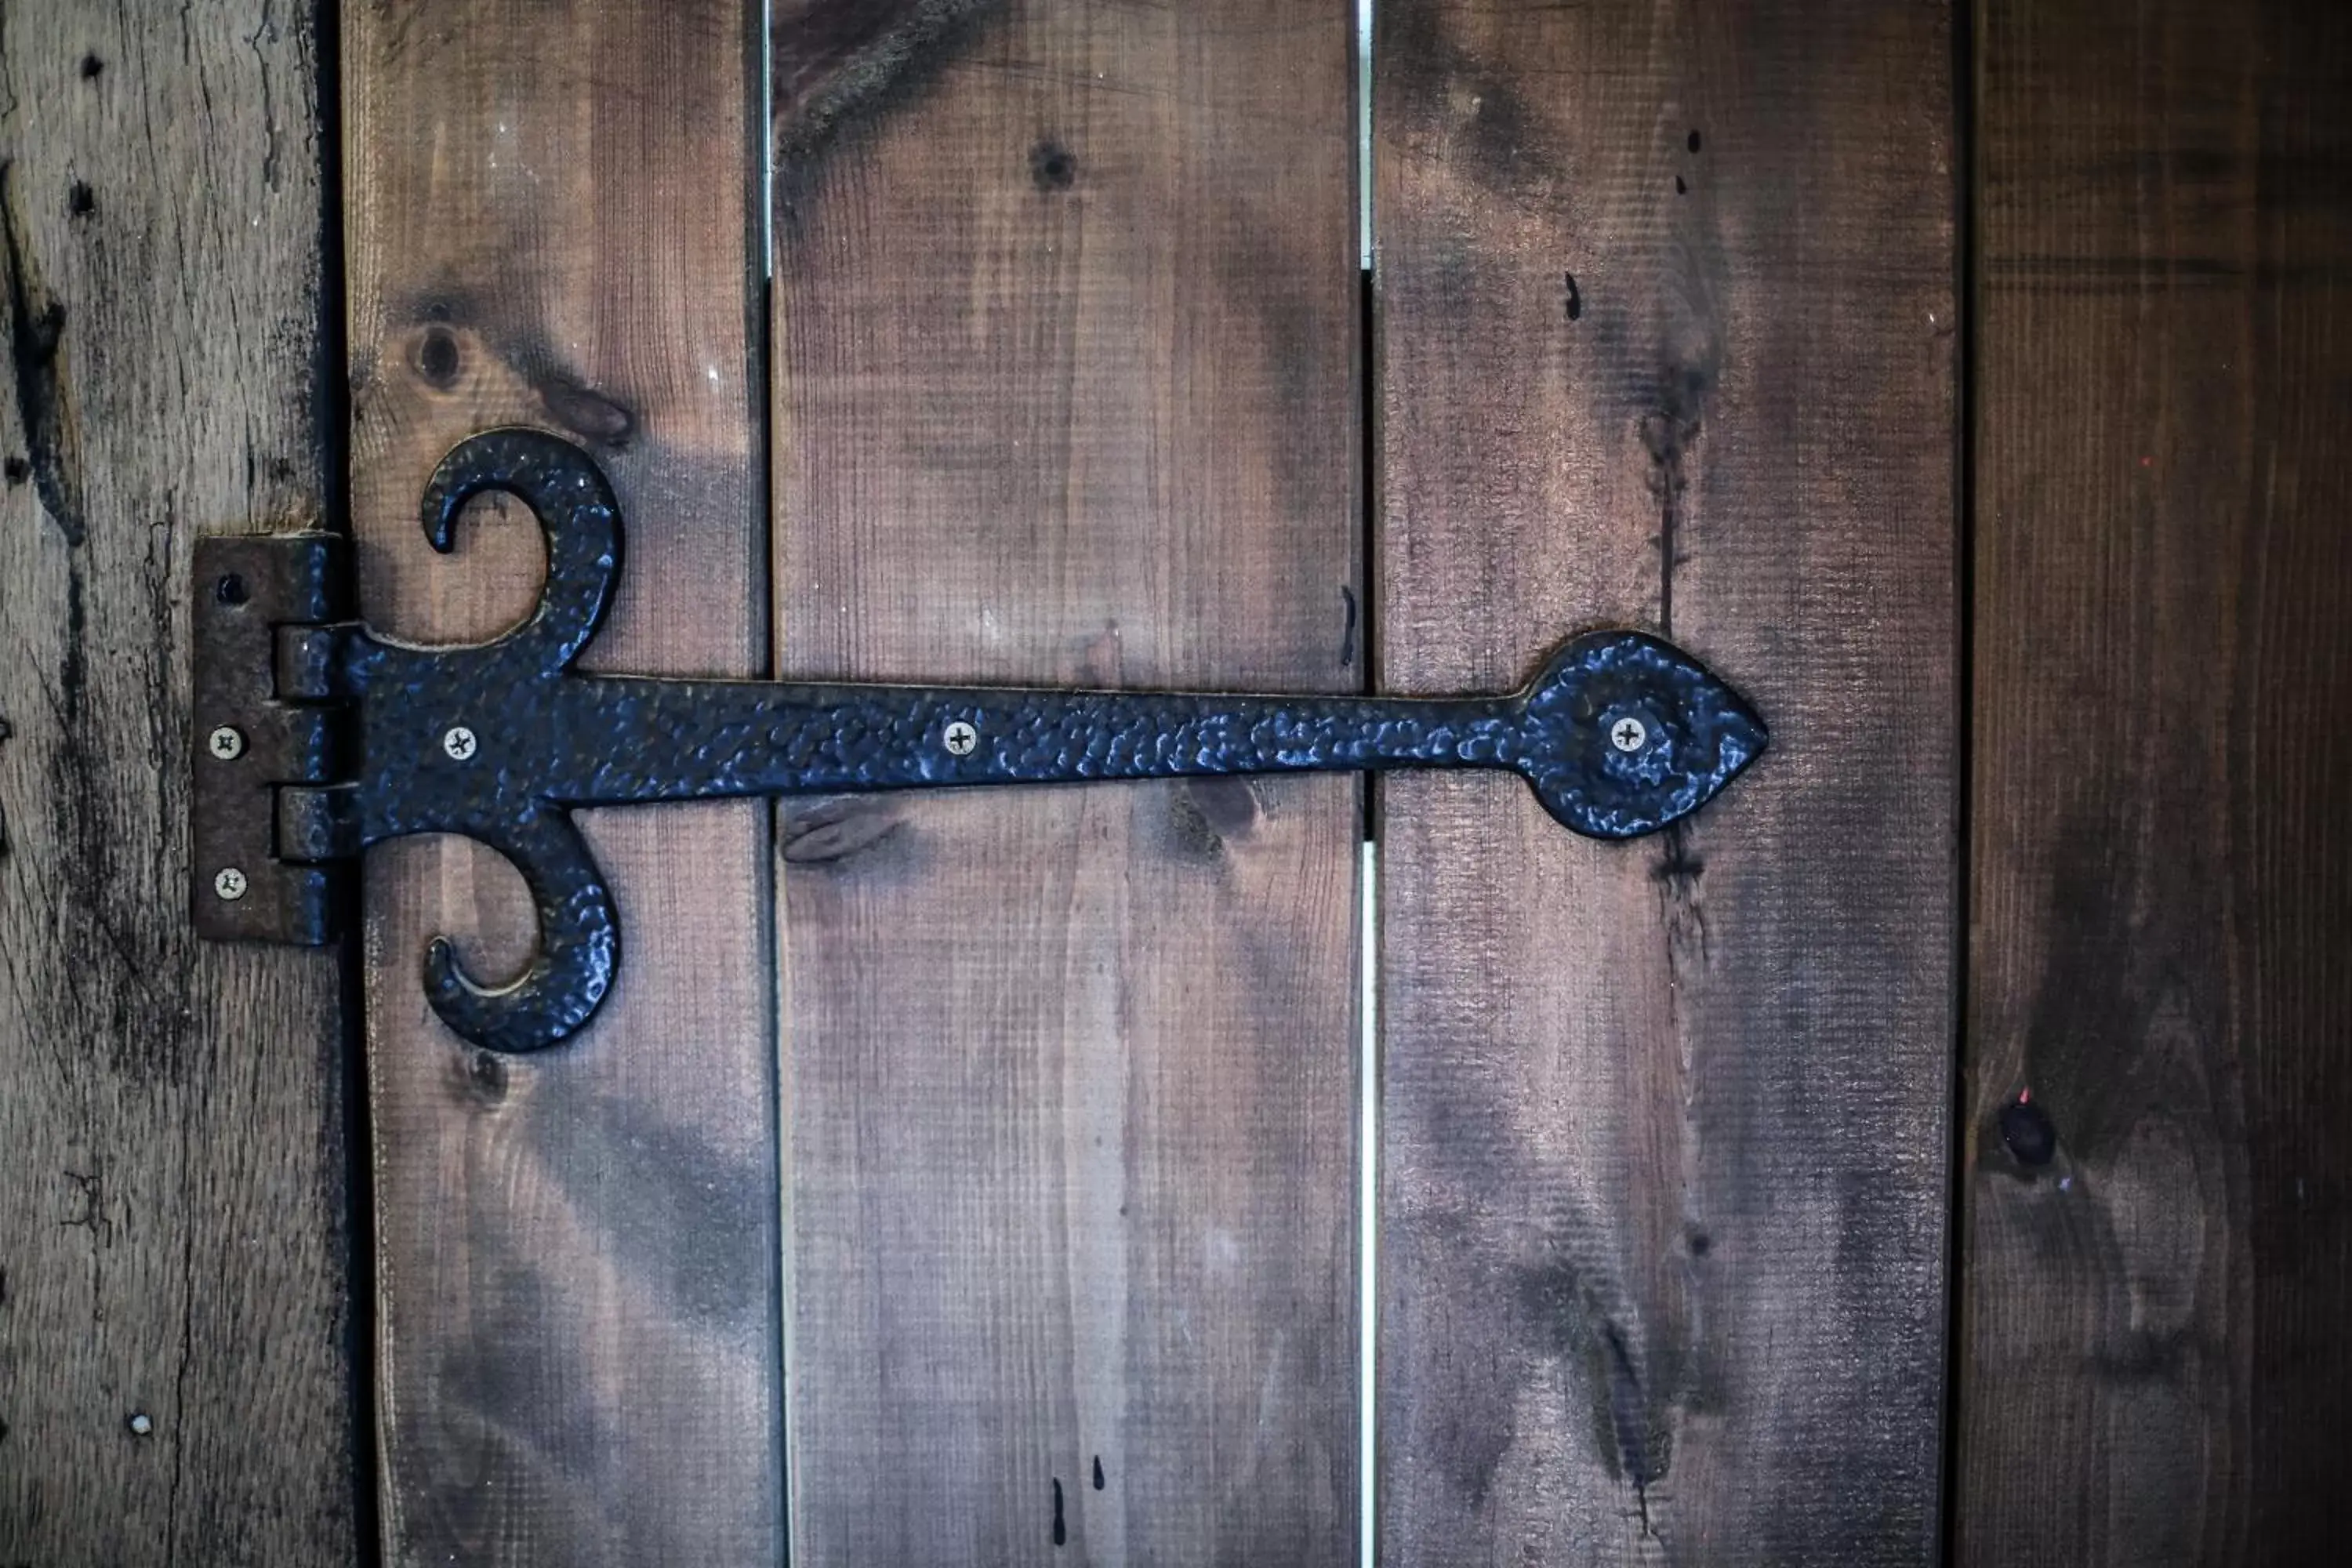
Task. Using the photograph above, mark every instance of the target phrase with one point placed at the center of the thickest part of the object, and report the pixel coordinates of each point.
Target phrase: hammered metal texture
(548, 738)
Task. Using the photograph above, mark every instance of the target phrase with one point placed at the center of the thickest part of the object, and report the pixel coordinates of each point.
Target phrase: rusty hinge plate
(346, 740)
(252, 740)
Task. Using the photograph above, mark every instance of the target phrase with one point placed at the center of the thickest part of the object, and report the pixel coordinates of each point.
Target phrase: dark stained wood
(550, 221)
(173, 1232)
(2158, 1257)
(1064, 323)
(1665, 337)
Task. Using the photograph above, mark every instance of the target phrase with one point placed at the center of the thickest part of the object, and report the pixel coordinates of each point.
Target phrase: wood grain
(1665, 337)
(1065, 325)
(173, 1241)
(550, 221)
(2159, 1243)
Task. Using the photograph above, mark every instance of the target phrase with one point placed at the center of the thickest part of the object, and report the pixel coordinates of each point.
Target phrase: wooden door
(1310, 1171)
(1668, 334)
(1064, 339)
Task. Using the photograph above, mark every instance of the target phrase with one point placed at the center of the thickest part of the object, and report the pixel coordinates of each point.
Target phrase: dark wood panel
(175, 1365)
(2158, 1257)
(551, 220)
(1665, 337)
(1065, 324)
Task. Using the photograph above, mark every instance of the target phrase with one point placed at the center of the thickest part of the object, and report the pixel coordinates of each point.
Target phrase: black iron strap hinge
(316, 738)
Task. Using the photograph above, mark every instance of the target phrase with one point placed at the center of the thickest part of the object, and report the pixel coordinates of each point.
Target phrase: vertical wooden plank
(552, 221)
(2159, 1255)
(1065, 320)
(174, 1371)
(1666, 312)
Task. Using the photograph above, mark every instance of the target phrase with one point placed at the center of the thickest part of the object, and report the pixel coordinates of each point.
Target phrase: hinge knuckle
(258, 735)
(307, 658)
(287, 744)
(316, 822)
